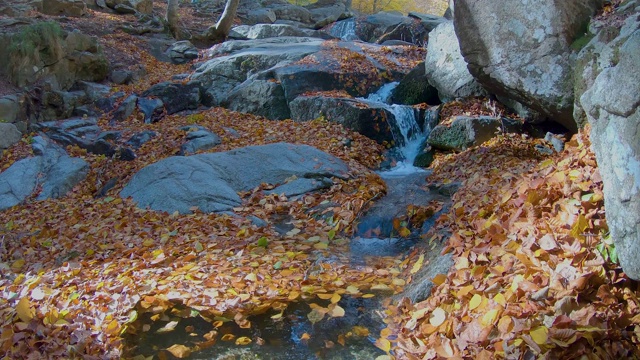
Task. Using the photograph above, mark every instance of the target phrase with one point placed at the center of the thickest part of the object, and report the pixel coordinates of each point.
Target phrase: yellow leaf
(337, 311)
(500, 299)
(335, 298)
(17, 265)
(439, 279)
(243, 341)
(352, 289)
(293, 295)
(228, 337)
(147, 242)
(321, 246)
(383, 344)
(416, 267)
(490, 317)
(25, 313)
(404, 232)
(438, 316)
(577, 230)
(476, 300)
(368, 296)
(179, 351)
(540, 334)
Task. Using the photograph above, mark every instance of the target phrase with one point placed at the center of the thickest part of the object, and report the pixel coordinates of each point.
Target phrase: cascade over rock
(522, 49)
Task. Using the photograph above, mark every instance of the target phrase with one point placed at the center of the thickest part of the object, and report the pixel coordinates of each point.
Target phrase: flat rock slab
(211, 181)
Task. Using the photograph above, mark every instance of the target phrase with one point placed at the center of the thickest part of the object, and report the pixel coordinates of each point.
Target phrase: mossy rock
(43, 49)
(415, 89)
(423, 160)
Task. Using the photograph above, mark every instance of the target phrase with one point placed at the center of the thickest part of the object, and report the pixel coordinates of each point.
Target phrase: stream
(293, 336)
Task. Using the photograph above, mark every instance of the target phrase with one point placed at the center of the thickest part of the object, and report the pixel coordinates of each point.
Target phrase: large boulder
(608, 90)
(176, 96)
(415, 89)
(52, 170)
(522, 49)
(75, 8)
(357, 69)
(446, 69)
(465, 132)
(45, 50)
(211, 181)
(221, 74)
(9, 135)
(263, 31)
(260, 97)
(371, 119)
(371, 28)
(326, 12)
(141, 6)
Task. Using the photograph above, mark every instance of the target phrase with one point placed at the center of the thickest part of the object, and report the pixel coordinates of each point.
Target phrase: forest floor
(534, 273)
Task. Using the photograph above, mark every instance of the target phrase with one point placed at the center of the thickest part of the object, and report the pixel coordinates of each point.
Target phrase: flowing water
(293, 336)
(345, 30)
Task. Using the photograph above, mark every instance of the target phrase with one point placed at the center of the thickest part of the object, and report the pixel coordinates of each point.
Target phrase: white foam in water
(345, 30)
(410, 131)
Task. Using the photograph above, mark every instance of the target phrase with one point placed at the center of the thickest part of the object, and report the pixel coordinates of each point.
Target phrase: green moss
(581, 42)
(42, 36)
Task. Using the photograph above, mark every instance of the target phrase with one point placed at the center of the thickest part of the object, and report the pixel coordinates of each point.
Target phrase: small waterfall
(407, 133)
(345, 29)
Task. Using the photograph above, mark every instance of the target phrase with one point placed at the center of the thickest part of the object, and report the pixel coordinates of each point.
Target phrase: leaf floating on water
(314, 316)
(242, 341)
(179, 351)
(170, 326)
(337, 311)
(228, 337)
(383, 344)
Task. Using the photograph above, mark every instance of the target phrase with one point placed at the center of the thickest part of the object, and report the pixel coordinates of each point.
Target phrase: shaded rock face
(52, 169)
(446, 69)
(67, 57)
(263, 31)
(521, 50)
(465, 132)
(415, 89)
(369, 120)
(220, 75)
(9, 135)
(74, 8)
(609, 95)
(211, 181)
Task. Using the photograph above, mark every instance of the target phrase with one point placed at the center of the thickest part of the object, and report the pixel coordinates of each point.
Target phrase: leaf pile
(77, 270)
(527, 279)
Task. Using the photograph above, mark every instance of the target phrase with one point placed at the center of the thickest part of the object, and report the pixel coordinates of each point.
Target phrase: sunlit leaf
(475, 301)
(314, 316)
(383, 344)
(228, 337)
(242, 341)
(179, 351)
(438, 316)
(418, 264)
(24, 310)
(540, 335)
(170, 326)
(336, 311)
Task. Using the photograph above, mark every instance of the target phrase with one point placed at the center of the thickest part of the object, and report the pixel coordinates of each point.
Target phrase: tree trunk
(220, 31)
(172, 17)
